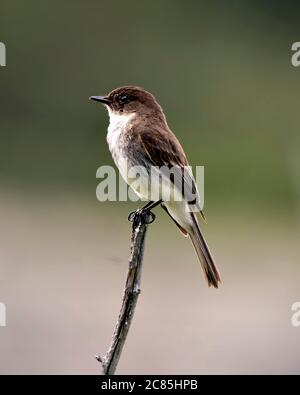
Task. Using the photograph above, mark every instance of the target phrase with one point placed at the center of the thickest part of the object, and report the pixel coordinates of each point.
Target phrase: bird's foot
(143, 215)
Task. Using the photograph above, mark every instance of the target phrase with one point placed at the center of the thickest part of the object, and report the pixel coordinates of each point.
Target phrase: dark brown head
(130, 99)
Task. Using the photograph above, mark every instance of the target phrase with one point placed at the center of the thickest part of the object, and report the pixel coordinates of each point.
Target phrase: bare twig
(131, 292)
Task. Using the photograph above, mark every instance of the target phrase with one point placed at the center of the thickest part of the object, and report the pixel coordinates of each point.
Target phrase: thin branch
(140, 220)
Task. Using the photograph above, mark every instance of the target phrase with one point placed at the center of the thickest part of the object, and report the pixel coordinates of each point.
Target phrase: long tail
(206, 260)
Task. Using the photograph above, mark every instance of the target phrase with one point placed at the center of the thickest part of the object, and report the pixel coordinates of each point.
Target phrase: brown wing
(162, 148)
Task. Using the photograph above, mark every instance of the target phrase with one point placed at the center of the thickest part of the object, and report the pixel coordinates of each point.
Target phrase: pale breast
(117, 138)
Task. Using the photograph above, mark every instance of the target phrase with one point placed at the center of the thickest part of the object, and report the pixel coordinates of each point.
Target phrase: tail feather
(206, 260)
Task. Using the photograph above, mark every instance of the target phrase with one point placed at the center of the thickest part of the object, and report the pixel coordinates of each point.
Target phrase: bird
(138, 135)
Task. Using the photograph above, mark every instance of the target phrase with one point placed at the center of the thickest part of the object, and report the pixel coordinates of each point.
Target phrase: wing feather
(162, 149)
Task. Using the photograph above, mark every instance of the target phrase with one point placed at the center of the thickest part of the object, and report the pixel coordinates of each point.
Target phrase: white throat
(118, 126)
(118, 121)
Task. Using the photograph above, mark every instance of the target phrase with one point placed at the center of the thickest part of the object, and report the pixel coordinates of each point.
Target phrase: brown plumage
(139, 132)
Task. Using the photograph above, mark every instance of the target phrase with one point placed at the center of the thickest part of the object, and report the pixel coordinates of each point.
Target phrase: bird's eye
(123, 99)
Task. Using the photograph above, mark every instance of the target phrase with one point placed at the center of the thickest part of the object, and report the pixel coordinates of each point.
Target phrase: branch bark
(140, 220)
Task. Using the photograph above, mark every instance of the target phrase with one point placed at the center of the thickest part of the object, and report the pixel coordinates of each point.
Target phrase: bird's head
(129, 100)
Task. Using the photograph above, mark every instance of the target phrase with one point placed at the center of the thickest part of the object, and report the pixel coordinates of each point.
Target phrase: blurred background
(222, 71)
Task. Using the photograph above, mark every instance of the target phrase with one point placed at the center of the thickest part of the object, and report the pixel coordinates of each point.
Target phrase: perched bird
(138, 135)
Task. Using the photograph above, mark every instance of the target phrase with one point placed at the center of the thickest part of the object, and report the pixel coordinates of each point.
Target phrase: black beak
(101, 99)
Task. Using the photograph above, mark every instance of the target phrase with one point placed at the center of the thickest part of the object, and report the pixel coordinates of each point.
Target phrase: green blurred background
(222, 71)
